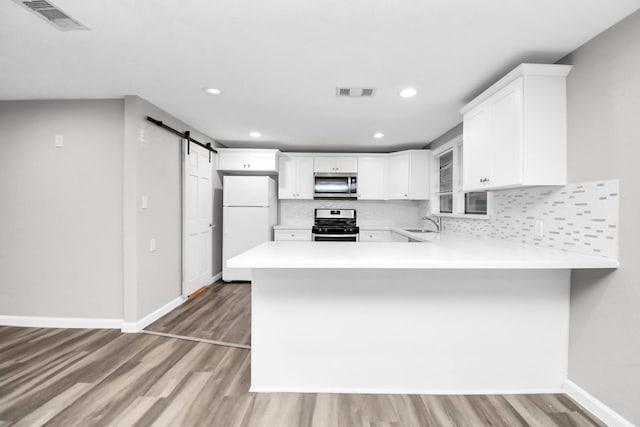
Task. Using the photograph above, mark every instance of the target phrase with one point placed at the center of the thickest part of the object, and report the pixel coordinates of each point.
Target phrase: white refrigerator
(250, 211)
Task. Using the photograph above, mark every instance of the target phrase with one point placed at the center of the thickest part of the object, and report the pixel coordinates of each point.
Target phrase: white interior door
(197, 219)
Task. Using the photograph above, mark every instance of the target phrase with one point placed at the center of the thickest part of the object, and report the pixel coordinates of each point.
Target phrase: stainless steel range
(335, 225)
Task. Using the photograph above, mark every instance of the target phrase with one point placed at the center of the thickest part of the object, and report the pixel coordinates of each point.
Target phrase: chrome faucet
(435, 220)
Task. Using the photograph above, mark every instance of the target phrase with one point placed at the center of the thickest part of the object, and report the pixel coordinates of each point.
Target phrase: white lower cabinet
(375, 235)
(296, 234)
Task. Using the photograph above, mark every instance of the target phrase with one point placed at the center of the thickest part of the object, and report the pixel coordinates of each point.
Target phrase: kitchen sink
(419, 230)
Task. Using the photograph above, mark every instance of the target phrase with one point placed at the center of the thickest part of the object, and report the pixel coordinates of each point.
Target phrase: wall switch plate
(145, 202)
(59, 140)
(152, 245)
(539, 228)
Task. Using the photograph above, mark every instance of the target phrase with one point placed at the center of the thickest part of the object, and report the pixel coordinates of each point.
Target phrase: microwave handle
(353, 185)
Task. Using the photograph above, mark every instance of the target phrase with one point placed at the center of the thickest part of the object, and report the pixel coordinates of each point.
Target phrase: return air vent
(355, 92)
(52, 14)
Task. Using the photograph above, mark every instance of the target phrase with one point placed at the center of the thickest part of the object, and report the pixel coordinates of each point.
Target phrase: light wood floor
(76, 377)
(221, 313)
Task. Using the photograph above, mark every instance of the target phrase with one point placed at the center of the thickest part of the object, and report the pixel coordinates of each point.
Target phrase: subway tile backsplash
(577, 218)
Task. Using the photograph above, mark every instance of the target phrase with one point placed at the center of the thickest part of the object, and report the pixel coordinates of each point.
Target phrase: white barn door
(197, 218)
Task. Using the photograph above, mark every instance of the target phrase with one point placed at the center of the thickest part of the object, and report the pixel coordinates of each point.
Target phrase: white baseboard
(134, 327)
(445, 392)
(595, 406)
(60, 322)
(90, 323)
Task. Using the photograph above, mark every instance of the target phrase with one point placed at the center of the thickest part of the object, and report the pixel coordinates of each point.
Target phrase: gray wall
(445, 137)
(61, 208)
(152, 167)
(604, 142)
(75, 240)
(603, 91)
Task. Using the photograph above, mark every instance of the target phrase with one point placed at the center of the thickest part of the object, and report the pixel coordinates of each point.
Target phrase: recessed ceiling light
(378, 135)
(255, 134)
(212, 90)
(408, 92)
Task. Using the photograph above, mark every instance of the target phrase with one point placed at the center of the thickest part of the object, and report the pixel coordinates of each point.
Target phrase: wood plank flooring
(220, 313)
(76, 377)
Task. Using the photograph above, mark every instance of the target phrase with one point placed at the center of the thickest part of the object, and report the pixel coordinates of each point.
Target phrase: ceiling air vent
(355, 92)
(52, 14)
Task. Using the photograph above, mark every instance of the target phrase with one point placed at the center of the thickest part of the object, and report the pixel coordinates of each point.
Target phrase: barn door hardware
(186, 135)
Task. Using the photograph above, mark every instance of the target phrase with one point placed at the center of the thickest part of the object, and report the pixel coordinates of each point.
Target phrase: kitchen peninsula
(452, 315)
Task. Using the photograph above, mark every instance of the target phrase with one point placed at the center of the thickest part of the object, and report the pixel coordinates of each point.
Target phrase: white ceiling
(278, 62)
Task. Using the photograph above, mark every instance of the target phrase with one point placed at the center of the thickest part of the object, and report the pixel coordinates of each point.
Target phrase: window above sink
(448, 199)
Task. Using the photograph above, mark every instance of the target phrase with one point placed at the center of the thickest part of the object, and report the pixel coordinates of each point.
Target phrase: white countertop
(446, 251)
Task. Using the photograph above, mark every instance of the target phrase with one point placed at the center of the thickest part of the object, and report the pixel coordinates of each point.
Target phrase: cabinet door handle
(406, 195)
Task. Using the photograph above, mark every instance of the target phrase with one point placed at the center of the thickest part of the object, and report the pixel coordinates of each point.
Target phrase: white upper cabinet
(248, 160)
(398, 174)
(372, 178)
(404, 175)
(335, 164)
(295, 180)
(514, 133)
(409, 175)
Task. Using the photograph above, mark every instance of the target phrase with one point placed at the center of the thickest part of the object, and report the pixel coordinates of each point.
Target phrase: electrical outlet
(59, 141)
(539, 228)
(152, 245)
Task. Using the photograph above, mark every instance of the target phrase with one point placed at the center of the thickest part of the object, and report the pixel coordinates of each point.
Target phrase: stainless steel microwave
(335, 186)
